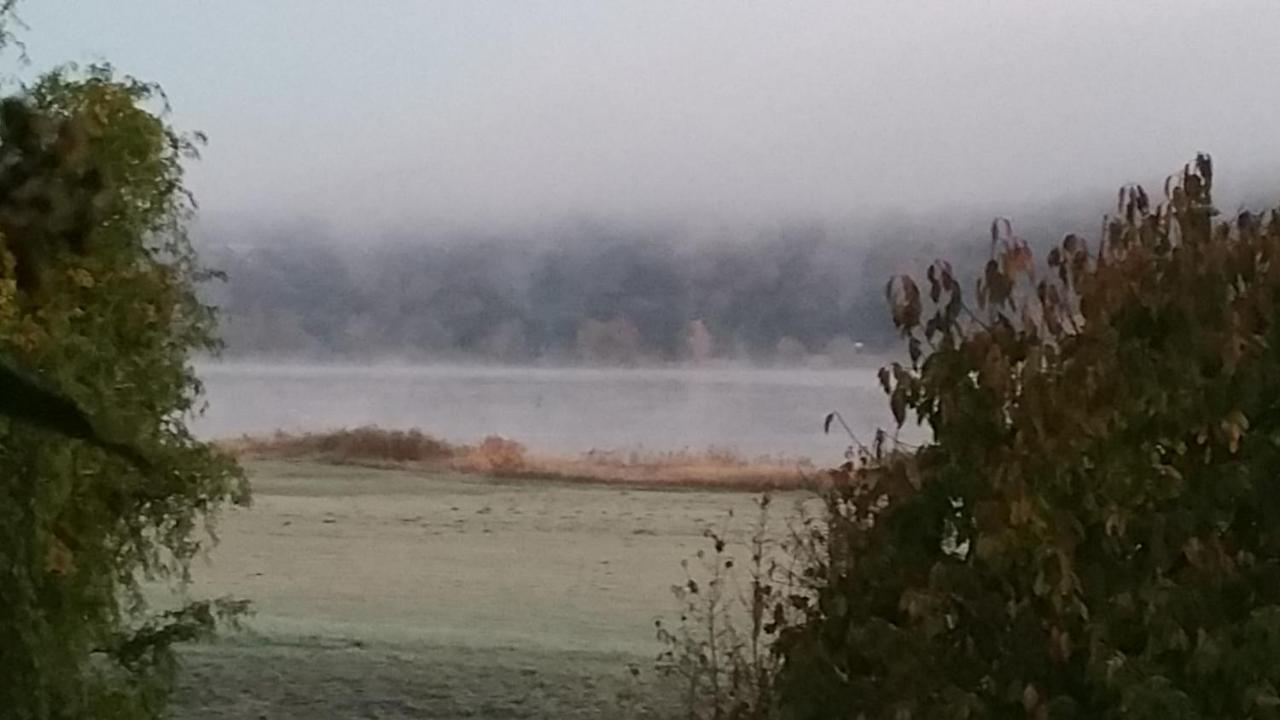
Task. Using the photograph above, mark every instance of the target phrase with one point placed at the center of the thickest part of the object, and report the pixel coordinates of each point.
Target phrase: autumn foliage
(1093, 528)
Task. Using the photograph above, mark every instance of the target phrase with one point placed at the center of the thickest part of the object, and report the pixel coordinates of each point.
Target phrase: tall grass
(717, 657)
(363, 443)
(715, 468)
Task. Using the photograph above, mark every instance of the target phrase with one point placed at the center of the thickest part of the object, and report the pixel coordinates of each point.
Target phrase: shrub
(1093, 528)
(499, 454)
(717, 658)
(361, 444)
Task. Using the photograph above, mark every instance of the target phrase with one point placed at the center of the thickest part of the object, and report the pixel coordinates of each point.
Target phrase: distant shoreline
(503, 458)
(260, 364)
(560, 411)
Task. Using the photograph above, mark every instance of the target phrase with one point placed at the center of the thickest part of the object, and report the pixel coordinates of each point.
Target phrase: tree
(1093, 528)
(97, 299)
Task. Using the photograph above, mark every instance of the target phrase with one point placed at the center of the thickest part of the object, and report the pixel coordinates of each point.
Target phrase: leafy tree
(97, 299)
(1093, 528)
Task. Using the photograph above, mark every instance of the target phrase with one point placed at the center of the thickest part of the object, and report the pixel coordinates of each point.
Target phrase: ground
(389, 594)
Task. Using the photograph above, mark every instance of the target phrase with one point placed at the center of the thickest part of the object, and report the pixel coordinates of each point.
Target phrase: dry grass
(502, 457)
(356, 445)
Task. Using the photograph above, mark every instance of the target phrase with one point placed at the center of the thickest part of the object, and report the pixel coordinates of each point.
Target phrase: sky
(485, 114)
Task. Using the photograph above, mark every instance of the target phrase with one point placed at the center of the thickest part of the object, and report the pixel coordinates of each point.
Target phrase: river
(559, 410)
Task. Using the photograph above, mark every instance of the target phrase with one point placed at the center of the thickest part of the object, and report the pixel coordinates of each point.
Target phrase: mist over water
(556, 410)
(503, 116)
(626, 259)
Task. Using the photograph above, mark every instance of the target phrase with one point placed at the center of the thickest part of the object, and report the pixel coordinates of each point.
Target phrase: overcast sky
(473, 113)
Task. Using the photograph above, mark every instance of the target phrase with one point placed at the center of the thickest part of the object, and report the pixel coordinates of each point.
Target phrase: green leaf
(26, 399)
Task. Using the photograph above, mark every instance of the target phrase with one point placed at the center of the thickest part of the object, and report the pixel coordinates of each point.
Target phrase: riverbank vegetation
(500, 457)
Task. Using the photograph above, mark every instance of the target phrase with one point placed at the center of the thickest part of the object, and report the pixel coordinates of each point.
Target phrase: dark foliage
(1092, 530)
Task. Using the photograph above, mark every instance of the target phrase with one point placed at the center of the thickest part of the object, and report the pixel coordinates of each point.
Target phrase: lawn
(387, 593)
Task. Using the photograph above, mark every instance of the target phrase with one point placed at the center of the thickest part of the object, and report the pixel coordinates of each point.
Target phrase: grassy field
(389, 594)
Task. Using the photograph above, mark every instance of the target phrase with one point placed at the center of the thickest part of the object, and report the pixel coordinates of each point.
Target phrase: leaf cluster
(97, 300)
(1092, 530)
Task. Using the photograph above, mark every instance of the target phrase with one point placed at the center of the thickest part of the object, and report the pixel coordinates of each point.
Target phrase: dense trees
(1093, 528)
(802, 291)
(97, 299)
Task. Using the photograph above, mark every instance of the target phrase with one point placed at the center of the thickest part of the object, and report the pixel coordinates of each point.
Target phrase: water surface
(750, 411)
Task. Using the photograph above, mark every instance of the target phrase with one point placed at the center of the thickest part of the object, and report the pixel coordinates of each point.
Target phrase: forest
(592, 293)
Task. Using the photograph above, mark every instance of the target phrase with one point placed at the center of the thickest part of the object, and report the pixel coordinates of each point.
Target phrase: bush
(1092, 530)
(717, 659)
(500, 455)
(97, 299)
(367, 443)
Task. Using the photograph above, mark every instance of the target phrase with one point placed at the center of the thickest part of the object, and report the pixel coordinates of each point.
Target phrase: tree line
(590, 294)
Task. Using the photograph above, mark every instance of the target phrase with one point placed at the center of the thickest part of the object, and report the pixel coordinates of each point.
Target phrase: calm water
(555, 410)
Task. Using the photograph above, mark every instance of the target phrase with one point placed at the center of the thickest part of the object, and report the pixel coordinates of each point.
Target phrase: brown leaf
(898, 404)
